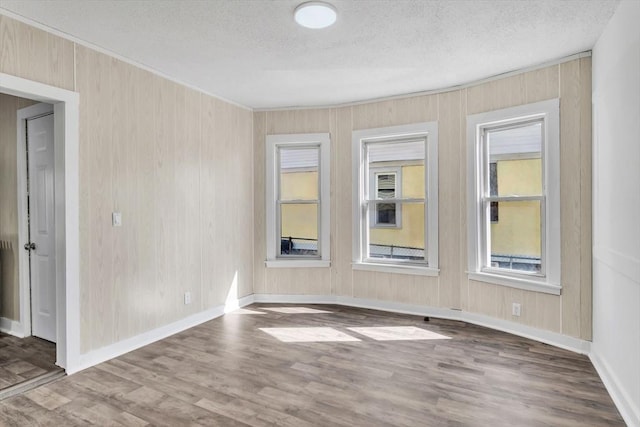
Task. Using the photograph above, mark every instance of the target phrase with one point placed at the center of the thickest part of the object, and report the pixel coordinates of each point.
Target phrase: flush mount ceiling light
(315, 14)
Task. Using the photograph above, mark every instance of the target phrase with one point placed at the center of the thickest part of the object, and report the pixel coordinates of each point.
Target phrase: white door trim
(23, 229)
(66, 145)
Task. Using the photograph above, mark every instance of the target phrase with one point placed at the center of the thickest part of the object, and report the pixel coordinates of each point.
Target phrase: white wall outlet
(516, 309)
(116, 219)
(187, 298)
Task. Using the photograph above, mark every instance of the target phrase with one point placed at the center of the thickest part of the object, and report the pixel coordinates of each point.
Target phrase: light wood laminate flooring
(24, 359)
(325, 365)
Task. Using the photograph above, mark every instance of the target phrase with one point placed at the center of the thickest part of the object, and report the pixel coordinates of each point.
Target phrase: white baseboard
(547, 337)
(103, 354)
(629, 409)
(11, 327)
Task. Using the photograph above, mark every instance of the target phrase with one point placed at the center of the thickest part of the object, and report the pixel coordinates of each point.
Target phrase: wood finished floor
(229, 372)
(23, 359)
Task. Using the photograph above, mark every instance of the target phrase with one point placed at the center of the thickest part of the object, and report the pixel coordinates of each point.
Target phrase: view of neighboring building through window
(298, 212)
(386, 184)
(395, 196)
(514, 193)
(299, 200)
(514, 196)
(395, 199)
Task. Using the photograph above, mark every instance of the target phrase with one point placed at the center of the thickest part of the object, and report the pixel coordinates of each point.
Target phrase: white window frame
(428, 131)
(548, 281)
(373, 182)
(323, 142)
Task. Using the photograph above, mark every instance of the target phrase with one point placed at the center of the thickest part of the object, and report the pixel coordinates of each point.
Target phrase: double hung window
(514, 196)
(298, 200)
(395, 199)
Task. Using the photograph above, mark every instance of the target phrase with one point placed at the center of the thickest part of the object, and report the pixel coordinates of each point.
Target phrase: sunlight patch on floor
(398, 333)
(295, 310)
(308, 334)
(245, 311)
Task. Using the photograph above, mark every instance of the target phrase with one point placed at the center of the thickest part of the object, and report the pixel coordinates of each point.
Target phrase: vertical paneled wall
(175, 162)
(9, 248)
(569, 313)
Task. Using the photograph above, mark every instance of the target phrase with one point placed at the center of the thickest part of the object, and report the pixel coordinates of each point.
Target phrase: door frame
(66, 170)
(25, 114)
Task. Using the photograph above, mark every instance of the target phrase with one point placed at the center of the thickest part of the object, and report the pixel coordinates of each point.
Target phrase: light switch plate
(116, 219)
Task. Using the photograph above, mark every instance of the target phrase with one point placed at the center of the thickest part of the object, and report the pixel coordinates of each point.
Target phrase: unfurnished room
(320, 213)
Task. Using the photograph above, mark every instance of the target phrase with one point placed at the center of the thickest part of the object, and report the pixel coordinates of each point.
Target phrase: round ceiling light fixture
(315, 14)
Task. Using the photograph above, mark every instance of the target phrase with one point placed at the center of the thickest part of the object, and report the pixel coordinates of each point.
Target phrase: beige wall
(569, 314)
(176, 163)
(9, 248)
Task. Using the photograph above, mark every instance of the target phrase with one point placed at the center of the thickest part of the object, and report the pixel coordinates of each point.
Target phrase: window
(396, 199)
(298, 200)
(514, 205)
(386, 184)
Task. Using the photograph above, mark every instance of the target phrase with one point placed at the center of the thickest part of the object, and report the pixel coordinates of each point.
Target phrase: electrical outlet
(516, 309)
(187, 298)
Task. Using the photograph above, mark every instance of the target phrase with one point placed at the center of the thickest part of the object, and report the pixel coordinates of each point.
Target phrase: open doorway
(28, 297)
(65, 117)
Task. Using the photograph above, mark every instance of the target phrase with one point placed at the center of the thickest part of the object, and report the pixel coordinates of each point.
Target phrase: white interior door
(42, 226)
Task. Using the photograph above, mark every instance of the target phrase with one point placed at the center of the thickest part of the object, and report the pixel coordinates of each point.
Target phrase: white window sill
(398, 269)
(516, 282)
(297, 263)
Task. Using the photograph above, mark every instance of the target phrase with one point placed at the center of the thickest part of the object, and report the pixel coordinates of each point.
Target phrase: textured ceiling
(252, 52)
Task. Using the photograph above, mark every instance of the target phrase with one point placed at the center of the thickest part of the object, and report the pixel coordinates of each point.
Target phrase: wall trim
(11, 327)
(119, 348)
(629, 410)
(548, 337)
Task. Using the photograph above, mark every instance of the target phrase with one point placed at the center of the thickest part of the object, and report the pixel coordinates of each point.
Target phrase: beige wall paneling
(298, 281)
(84, 171)
(463, 249)
(142, 307)
(404, 288)
(242, 203)
(9, 247)
(364, 284)
(189, 239)
(449, 198)
(416, 290)
(36, 55)
(123, 107)
(209, 201)
(176, 164)
(343, 218)
(395, 112)
(570, 195)
(548, 312)
(259, 191)
(221, 245)
(298, 121)
(483, 298)
(164, 194)
(97, 290)
(496, 94)
(542, 84)
(333, 172)
(586, 258)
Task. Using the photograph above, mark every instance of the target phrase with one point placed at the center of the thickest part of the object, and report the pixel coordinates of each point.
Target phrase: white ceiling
(251, 51)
